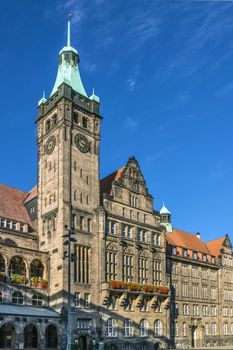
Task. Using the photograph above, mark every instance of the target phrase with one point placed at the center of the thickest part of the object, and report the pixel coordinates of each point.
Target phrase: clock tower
(68, 135)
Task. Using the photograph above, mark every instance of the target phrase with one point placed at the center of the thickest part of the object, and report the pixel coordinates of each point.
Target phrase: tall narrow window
(143, 269)
(111, 328)
(128, 266)
(82, 266)
(111, 263)
(157, 272)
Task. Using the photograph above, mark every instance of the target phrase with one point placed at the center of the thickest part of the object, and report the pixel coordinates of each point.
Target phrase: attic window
(204, 257)
(184, 253)
(174, 251)
(212, 260)
(195, 255)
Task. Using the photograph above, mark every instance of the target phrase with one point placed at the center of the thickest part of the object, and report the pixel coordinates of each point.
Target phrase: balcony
(23, 281)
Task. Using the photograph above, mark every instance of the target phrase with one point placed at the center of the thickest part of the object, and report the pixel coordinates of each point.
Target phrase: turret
(166, 218)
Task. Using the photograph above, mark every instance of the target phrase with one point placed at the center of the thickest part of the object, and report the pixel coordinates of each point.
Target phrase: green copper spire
(68, 69)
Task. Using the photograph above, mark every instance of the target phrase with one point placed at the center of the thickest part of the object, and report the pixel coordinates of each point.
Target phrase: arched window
(111, 328)
(37, 269)
(37, 300)
(225, 328)
(143, 328)
(51, 337)
(30, 337)
(128, 327)
(2, 264)
(158, 328)
(214, 329)
(7, 336)
(128, 265)
(17, 298)
(17, 266)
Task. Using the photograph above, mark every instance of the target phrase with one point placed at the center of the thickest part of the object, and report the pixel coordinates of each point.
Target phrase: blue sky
(164, 73)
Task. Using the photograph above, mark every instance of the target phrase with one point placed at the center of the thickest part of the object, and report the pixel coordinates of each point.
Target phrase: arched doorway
(30, 337)
(7, 336)
(51, 337)
(82, 342)
(194, 336)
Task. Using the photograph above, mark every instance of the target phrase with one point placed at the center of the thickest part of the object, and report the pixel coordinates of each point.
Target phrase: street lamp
(70, 258)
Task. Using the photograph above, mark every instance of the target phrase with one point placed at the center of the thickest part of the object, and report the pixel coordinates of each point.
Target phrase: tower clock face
(82, 143)
(50, 144)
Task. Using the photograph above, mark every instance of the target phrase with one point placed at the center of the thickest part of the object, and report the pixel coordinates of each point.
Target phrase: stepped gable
(12, 204)
(186, 240)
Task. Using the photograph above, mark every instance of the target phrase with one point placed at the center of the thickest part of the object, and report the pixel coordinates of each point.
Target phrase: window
(85, 122)
(143, 328)
(110, 227)
(195, 291)
(2, 222)
(214, 328)
(143, 270)
(184, 253)
(212, 260)
(141, 235)
(176, 329)
(213, 293)
(77, 299)
(206, 329)
(37, 300)
(128, 304)
(205, 310)
(36, 269)
(157, 273)
(111, 264)
(128, 328)
(83, 323)
(111, 328)
(158, 328)
(82, 265)
(112, 302)
(213, 310)
(156, 239)
(1, 299)
(17, 266)
(81, 223)
(87, 300)
(185, 309)
(2, 264)
(195, 255)
(195, 272)
(204, 257)
(88, 225)
(127, 267)
(143, 305)
(126, 231)
(185, 270)
(184, 329)
(174, 251)
(225, 328)
(75, 117)
(47, 125)
(17, 298)
(195, 310)
(184, 290)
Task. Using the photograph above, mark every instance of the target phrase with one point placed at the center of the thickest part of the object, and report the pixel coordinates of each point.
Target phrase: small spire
(93, 91)
(68, 34)
(43, 94)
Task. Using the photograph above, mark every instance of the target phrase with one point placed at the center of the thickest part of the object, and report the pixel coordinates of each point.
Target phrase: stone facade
(133, 285)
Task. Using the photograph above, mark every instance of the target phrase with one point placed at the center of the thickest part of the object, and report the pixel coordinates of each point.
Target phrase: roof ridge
(216, 239)
(14, 188)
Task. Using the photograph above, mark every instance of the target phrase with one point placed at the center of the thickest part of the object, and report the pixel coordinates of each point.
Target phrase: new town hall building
(136, 282)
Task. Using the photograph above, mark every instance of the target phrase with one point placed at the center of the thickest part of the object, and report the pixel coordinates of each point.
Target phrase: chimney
(198, 235)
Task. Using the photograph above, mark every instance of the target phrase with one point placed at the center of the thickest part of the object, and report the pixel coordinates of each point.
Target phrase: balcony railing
(22, 280)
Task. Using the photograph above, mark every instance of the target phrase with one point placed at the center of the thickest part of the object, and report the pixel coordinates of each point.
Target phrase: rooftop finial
(43, 94)
(68, 30)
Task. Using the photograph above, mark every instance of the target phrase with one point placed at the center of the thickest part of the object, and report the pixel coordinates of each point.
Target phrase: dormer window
(204, 257)
(212, 260)
(174, 251)
(195, 255)
(184, 253)
(2, 222)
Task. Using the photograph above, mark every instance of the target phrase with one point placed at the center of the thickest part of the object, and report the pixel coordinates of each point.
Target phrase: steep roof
(12, 204)
(31, 194)
(215, 245)
(186, 240)
(106, 182)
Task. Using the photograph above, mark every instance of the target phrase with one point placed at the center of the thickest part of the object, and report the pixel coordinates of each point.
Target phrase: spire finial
(163, 204)
(93, 91)
(68, 30)
(43, 94)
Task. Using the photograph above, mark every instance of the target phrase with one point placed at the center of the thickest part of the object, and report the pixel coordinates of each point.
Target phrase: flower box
(136, 287)
(19, 279)
(43, 284)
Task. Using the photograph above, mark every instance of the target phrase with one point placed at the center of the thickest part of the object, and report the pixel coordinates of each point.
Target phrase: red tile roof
(31, 194)
(186, 240)
(12, 204)
(106, 182)
(215, 246)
